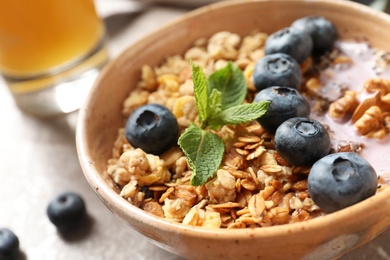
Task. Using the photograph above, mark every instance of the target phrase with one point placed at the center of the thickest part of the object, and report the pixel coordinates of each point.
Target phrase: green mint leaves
(219, 101)
(204, 151)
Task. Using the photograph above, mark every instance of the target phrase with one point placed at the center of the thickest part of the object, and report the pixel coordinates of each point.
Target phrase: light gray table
(38, 159)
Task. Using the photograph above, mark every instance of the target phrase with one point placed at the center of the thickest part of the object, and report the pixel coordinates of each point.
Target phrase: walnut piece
(344, 105)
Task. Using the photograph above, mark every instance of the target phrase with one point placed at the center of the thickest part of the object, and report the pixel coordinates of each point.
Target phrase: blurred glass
(50, 52)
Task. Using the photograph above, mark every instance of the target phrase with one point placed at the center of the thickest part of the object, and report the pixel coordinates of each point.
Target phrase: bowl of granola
(262, 136)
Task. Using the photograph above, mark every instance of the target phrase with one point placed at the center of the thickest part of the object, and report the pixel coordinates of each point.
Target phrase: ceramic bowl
(321, 238)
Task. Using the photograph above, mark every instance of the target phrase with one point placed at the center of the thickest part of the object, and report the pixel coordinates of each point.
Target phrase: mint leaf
(215, 102)
(230, 81)
(239, 114)
(219, 102)
(204, 152)
(200, 92)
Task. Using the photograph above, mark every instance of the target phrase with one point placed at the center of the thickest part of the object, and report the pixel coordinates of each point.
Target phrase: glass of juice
(50, 52)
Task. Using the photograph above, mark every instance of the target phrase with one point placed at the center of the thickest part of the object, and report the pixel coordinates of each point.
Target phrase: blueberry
(340, 180)
(321, 30)
(291, 41)
(9, 244)
(277, 69)
(153, 128)
(285, 103)
(302, 141)
(66, 211)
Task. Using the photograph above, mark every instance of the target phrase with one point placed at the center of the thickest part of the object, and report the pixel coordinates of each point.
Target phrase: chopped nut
(364, 106)
(370, 121)
(377, 84)
(296, 203)
(344, 105)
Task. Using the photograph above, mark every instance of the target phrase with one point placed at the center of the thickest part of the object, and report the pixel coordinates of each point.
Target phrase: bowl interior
(100, 118)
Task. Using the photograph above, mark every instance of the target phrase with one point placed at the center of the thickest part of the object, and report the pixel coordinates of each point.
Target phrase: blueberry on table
(302, 141)
(9, 244)
(153, 128)
(285, 103)
(322, 32)
(340, 180)
(66, 211)
(277, 69)
(296, 43)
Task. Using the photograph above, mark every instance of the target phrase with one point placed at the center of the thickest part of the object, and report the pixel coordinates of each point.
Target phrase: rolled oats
(256, 206)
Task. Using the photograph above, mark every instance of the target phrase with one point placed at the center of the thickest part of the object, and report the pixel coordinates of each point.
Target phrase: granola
(254, 187)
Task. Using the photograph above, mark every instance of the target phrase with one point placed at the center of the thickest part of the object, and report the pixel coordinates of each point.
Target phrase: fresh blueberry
(153, 128)
(302, 141)
(277, 69)
(9, 244)
(321, 30)
(285, 103)
(66, 211)
(291, 41)
(340, 180)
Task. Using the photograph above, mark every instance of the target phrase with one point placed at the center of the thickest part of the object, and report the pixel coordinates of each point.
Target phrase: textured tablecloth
(38, 159)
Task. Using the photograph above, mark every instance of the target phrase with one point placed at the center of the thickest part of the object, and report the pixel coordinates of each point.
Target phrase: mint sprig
(219, 101)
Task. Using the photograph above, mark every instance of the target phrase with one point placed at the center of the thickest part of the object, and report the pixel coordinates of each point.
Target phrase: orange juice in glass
(50, 52)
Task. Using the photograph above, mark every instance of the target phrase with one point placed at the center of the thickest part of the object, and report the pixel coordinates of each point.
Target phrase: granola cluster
(254, 186)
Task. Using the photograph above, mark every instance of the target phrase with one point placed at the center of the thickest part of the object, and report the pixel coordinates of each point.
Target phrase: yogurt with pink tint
(364, 66)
